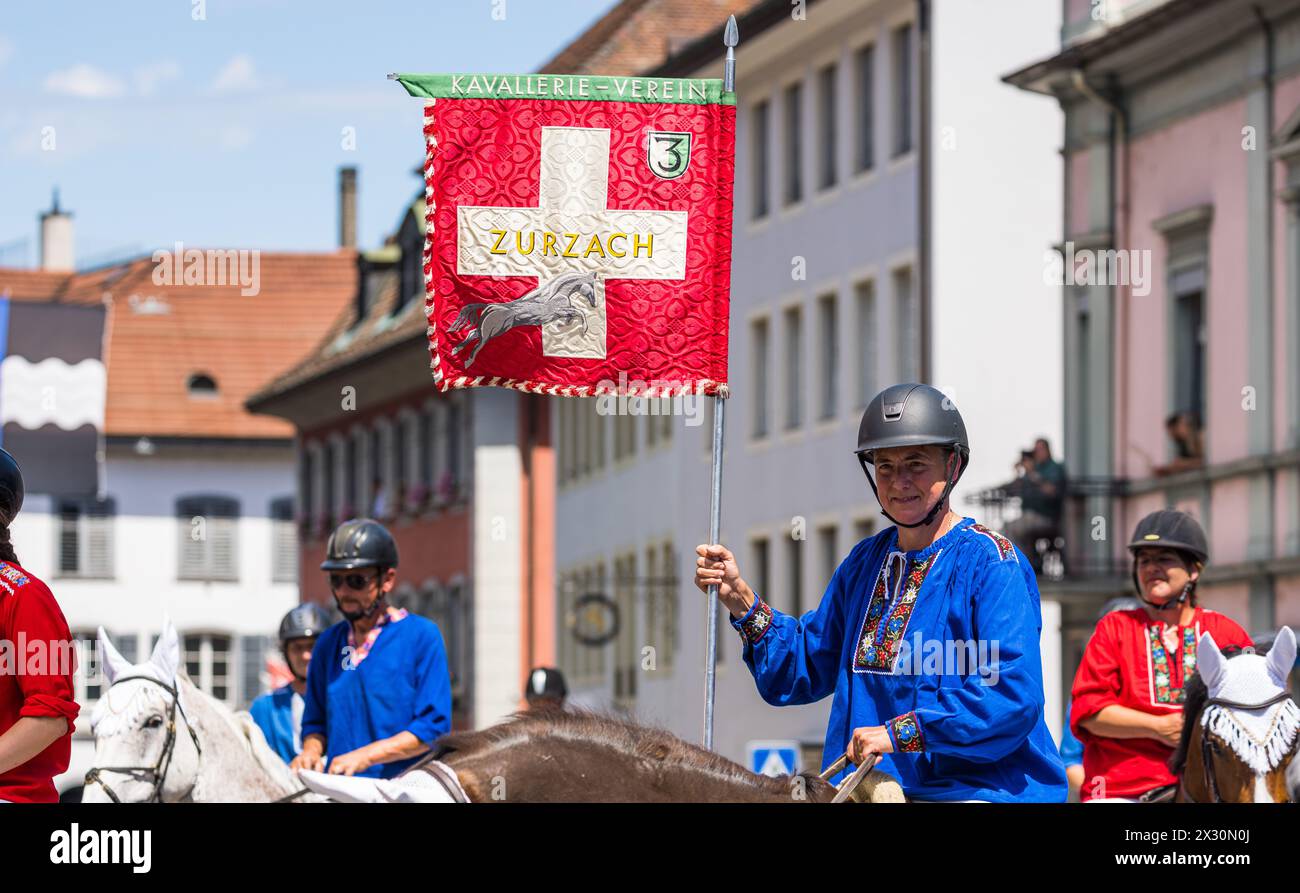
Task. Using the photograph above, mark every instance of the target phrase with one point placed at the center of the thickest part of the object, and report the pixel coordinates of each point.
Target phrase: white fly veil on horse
(1249, 708)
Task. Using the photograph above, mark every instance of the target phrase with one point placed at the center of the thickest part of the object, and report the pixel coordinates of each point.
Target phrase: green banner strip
(587, 87)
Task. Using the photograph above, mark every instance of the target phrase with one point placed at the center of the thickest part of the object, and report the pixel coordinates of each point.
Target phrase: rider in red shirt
(37, 658)
(1127, 699)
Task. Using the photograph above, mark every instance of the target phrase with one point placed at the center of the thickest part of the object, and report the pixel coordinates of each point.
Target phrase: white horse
(158, 738)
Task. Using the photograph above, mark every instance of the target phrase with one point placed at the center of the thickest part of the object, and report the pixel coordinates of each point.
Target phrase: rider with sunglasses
(378, 689)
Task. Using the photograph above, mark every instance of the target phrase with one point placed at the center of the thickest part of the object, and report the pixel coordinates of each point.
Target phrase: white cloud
(149, 77)
(237, 74)
(85, 81)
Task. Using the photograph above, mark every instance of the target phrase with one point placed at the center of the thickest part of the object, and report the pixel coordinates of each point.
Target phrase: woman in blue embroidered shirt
(928, 633)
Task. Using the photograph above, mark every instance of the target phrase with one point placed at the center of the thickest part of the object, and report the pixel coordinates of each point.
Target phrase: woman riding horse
(1127, 702)
(927, 634)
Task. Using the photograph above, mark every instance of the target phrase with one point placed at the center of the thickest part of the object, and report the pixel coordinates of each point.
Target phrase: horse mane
(1195, 694)
(244, 728)
(638, 742)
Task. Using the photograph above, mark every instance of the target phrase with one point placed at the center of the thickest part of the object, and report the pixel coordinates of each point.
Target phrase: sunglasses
(352, 581)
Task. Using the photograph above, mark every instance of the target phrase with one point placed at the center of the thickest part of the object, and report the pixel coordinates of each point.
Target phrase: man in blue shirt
(279, 713)
(927, 637)
(378, 689)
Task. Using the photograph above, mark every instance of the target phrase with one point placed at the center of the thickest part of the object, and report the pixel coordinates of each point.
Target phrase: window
(865, 296)
(626, 644)
(761, 136)
(454, 435)
(350, 470)
(794, 574)
(902, 48)
(864, 63)
(284, 542)
(1189, 351)
(793, 367)
(306, 482)
(596, 432)
(907, 338)
(624, 435)
(758, 337)
(762, 566)
(329, 472)
(863, 528)
(828, 357)
(401, 449)
(793, 131)
(667, 625)
(207, 661)
(89, 679)
(208, 526)
(829, 155)
(86, 538)
(828, 546)
(201, 385)
(253, 652)
(425, 457)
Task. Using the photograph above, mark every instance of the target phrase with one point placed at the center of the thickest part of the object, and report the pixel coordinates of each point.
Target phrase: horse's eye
(153, 722)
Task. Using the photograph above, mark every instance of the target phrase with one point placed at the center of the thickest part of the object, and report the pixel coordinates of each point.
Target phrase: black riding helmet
(912, 415)
(1170, 529)
(357, 543)
(11, 487)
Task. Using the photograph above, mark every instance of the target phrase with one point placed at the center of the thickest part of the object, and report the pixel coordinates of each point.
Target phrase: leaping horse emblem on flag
(578, 231)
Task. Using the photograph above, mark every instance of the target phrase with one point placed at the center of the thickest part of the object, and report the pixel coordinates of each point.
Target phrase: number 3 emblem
(668, 153)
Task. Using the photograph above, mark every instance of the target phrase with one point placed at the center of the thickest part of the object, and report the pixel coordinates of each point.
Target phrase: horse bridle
(157, 773)
(1211, 785)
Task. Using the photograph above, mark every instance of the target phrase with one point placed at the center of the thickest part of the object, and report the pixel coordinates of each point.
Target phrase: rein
(157, 773)
(1210, 782)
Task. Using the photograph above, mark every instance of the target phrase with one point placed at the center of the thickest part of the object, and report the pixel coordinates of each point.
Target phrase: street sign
(774, 758)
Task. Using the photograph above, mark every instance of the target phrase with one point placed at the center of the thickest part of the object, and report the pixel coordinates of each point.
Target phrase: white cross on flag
(579, 232)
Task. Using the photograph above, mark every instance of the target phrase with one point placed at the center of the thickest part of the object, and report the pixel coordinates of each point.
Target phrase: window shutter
(284, 542)
(69, 539)
(253, 651)
(98, 529)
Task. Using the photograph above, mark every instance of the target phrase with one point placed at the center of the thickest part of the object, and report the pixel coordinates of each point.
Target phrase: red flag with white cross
(578, 235)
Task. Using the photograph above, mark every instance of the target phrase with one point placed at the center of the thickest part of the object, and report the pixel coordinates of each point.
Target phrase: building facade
(1182, 159)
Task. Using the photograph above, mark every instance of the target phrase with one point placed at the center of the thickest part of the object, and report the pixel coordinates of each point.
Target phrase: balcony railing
(1073, 548)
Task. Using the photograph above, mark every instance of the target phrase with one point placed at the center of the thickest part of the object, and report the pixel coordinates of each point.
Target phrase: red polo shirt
(35, 679)
(1128, 663)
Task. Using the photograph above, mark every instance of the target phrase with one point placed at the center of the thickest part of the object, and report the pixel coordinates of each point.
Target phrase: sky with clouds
(159, 126)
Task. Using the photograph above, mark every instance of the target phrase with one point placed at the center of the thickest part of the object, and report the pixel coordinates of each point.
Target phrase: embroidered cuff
(905, 732)
(755, 624)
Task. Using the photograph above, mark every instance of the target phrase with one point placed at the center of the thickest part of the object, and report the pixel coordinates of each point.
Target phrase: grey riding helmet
(912, 415)
(359, 543)
(305, 621)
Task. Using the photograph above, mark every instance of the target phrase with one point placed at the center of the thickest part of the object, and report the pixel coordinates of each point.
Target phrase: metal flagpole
(730, 37)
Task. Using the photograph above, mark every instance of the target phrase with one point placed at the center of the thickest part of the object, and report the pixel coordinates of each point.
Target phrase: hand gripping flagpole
(730, 37)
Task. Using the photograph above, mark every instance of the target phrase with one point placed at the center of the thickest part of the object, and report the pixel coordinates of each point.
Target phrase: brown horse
(1241, 728)
(558, 756)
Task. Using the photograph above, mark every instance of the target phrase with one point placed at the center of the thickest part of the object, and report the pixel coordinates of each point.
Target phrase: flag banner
(578, 237)
(52, 393)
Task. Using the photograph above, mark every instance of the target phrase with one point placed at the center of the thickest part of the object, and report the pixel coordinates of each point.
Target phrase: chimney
(348, 207)
(56, 239)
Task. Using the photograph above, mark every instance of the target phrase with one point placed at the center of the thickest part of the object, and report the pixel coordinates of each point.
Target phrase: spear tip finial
(731, 34)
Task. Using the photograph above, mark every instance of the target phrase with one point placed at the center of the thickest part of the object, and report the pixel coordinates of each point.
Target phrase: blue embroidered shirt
(403, 685)
(940, 646)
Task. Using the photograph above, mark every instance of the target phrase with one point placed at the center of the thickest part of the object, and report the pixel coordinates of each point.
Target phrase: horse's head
(1241, 727)
(144, 748)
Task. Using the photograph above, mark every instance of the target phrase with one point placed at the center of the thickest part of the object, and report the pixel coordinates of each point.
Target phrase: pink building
(1182, 160)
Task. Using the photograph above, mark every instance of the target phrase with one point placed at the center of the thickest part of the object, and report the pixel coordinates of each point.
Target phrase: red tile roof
(636, 35)
(243, 342)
